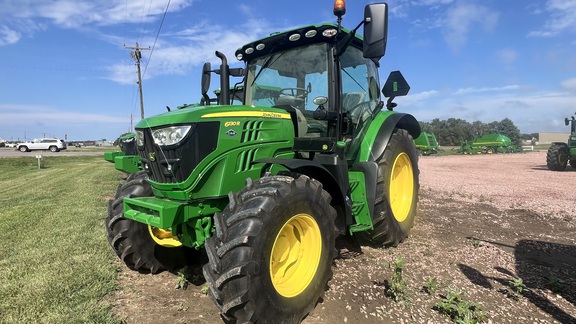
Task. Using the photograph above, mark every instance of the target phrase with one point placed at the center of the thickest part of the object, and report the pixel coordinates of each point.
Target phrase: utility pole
(131, 122)
(136, 55)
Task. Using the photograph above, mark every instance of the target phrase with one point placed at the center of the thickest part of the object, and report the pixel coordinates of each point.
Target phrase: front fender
(380, 131)
(317, 171)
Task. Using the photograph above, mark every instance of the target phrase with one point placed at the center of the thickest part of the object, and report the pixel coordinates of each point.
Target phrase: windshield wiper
(266, 65)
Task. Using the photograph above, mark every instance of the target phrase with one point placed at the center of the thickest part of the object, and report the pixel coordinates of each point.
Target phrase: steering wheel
(290, 97)
(294, 92)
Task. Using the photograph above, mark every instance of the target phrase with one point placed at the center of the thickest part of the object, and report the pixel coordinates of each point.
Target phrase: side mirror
(567, 121)
(205, 83)
(375, 30)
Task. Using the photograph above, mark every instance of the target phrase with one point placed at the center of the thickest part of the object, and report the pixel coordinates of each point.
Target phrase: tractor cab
(296, 70)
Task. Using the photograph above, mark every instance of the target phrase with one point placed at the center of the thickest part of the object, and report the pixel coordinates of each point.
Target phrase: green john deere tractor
(560, 153)
(264, 188)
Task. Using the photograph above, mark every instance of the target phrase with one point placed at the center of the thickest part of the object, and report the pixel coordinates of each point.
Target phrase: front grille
(175, 163)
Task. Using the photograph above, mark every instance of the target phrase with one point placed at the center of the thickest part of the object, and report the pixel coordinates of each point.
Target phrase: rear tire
(53, 149)
(573, 163)
(557, 157)
(396, 192)
(271, 256)
(132, 240)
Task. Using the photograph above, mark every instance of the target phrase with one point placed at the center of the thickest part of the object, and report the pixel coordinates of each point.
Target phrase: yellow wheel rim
(295, 255)
(401, 187)
(163, 237)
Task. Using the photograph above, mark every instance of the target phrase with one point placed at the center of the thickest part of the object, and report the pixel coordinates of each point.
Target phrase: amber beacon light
(339, 8)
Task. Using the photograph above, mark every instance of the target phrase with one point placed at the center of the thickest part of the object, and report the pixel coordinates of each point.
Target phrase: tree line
(453, 131)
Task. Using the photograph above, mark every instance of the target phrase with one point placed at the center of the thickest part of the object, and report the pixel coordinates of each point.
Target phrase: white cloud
(28, 115)
(569, 85)
(170, 57)
(18, 17)
(463, 91)
(417, 98)
(400, 7)
(461, 18)
(538, 112)
(562, 18)
(75, 13)
(456, 19)
(507, 56)
(8, 36)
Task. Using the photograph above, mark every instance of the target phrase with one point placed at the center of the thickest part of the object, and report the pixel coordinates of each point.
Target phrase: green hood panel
(207, 113)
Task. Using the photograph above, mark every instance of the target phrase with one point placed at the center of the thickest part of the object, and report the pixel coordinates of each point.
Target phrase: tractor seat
(351, 99)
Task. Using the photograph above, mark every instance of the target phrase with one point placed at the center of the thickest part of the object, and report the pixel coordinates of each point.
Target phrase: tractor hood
(210, 113)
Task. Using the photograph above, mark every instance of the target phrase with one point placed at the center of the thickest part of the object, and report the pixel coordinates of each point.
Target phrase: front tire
(133, 241)
(557, 157)
(271, 256)
(396, 192)
(23, 149)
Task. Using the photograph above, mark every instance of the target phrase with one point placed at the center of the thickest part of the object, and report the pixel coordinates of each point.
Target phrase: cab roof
(323, 33)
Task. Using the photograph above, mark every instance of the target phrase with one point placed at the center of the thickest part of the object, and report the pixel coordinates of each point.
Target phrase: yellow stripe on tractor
(263, 114)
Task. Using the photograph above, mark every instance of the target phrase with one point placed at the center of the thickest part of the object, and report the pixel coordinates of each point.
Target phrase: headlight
(139, 138)
(170, 135)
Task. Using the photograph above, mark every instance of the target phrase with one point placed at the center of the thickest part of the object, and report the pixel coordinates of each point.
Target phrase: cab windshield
(289, 78)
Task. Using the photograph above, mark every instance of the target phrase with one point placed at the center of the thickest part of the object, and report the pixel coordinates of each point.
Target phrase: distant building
(547, 138)
(104, 143)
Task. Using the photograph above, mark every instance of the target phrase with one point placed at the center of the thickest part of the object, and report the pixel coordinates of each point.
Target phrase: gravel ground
(483, 220)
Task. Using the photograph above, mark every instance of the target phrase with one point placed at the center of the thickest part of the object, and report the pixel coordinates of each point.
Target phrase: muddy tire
(573, 163)
(131, 240)
(396, 192)
(557, 157)
(271, 256)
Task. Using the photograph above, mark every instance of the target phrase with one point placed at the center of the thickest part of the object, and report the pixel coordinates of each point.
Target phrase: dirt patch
(483, 221)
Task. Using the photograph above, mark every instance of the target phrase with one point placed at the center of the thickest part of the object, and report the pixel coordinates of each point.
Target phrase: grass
(430, 286)
(396, 288)
(93, 149)
(55, 263)
(454, 305)
(518, 287)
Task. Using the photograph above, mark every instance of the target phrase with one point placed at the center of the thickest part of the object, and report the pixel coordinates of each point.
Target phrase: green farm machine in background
(426, 143)
(560, 153)
(127, 160)
(263, 188)
(489, 144)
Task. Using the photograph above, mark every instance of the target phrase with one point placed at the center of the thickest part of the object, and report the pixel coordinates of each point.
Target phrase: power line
(157, 34)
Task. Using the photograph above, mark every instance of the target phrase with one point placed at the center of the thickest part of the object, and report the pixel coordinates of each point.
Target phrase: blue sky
(64, 68)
